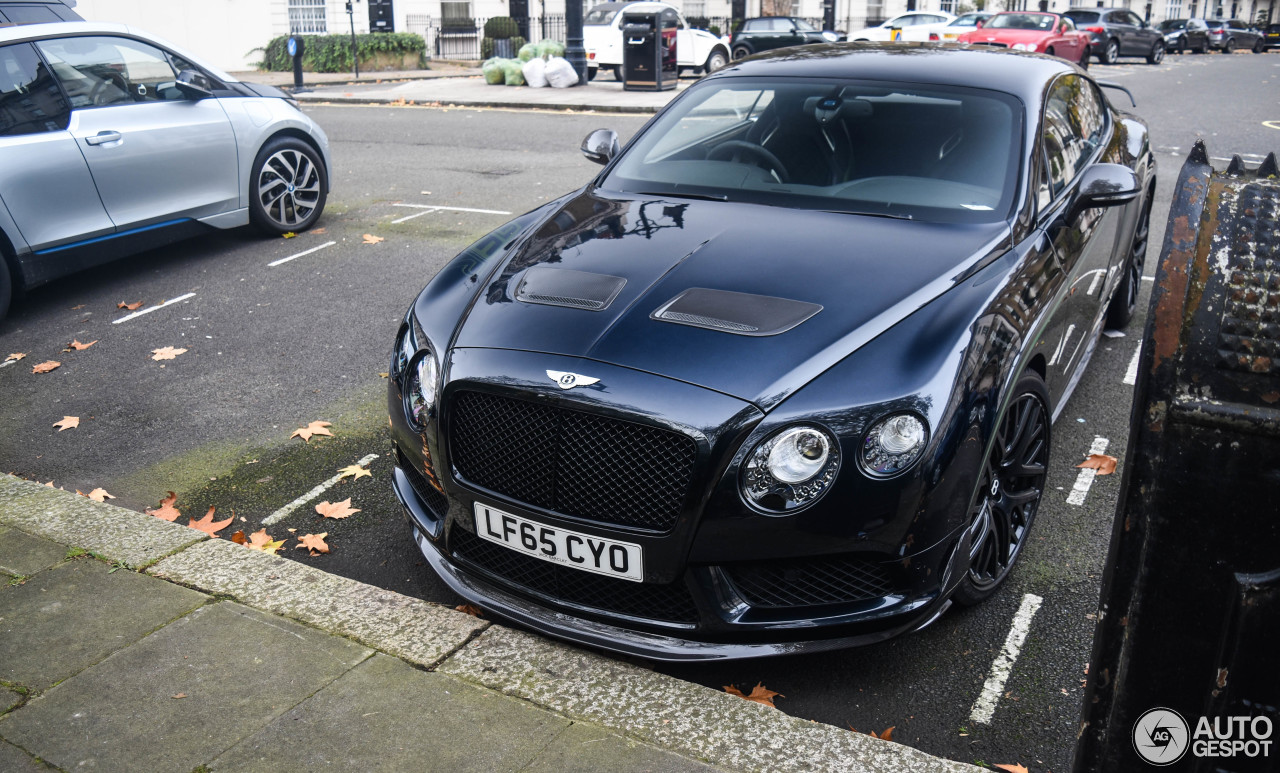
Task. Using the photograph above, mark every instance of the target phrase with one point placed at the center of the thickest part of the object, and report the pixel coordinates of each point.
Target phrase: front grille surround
(570, 461)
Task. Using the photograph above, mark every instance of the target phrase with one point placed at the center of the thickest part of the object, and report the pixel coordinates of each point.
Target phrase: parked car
(1227, 35)
(37, 11)
(673, 414)
(895, 28)
(112, 142)
(602, 37)
(1271, 36)
(963, 23)
(1185, 35)
(1117, 32)
(770, 32)
(1044, 33)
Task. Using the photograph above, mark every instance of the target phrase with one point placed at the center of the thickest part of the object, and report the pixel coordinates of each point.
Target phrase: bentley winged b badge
(570, 380)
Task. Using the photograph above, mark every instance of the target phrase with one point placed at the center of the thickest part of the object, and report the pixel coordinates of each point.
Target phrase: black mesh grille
(811, 582)
(435, 501)
(572, 462)
(645, 600)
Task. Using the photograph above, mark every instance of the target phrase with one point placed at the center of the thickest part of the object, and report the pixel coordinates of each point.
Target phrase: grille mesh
(436, 502)
(671, 603)
(572, 462)
(812, 582)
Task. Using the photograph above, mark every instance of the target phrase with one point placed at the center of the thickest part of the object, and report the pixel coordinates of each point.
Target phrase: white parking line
(300, 254)
(310, 495)
(452, 209)
(415, 214)
(7, 363)
(1085, 479)
(140, 312)
(985, 707)
(1131, 374)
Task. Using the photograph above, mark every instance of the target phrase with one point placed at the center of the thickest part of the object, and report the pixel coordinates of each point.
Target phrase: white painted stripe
(984, 708)
(140, 312)
(1148, 279)
(310, 495)
(1085, 479)
(452, 209)
(1131, 374)
(1097, 279)
(7, 363)
(416, 214)
(300, 254)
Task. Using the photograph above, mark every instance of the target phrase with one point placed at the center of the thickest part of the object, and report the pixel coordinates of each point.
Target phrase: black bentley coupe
(783, 376)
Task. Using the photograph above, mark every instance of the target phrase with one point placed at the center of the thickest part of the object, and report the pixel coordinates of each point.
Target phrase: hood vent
(570, 289)
(737, 313)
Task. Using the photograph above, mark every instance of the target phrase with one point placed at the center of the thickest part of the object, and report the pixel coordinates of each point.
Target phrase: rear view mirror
(978, 24)
(601, 145)
(1104, 185)
(194, 85)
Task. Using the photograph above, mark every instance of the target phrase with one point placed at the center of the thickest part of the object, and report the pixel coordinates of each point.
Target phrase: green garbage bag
(548, 48)
(513, 71)
(493, 74)
(528, 51)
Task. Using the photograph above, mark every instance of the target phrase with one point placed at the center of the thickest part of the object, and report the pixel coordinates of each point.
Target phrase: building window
(695, 9)
(875, 11)
(1173, 9)
(456, 14)
(306, 17)
(949, 6)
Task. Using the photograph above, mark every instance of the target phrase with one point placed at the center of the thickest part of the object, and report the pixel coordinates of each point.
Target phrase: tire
(293, 164)
(1125, 300)
(1049, 51)
(1156, 54)
(741, 52)
(1203, 48)
(1084, 59)
(1110, 52)
(1260, 47)
(591, 73)
(716, 60)
(6, 285)
(616, 70)
(1229, 46)
(1010, 486)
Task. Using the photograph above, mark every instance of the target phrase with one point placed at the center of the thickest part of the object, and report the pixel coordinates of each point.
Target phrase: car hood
(838, 280)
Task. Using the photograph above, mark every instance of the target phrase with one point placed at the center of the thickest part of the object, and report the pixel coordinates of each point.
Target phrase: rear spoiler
(1118, 87)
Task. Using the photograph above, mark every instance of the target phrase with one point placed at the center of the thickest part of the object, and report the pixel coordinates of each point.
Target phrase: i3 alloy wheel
(1156, 55)
(1009, 491)
(1110, 52)
(1125, 300)
(288, 187)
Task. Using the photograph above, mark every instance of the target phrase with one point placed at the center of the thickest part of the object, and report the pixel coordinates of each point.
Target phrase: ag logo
(1160, 736)
(570, 380)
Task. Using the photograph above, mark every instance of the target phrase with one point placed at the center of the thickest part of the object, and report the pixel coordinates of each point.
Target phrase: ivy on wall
(332, 53)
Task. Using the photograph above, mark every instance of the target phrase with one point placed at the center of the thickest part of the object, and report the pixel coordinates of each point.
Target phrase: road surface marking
(140, 312)
(1131, 374)
(985, 707)
(7, 363)
(300, 254)
(312, 494)
(452, 209)
(1085, 479)
(416, 214)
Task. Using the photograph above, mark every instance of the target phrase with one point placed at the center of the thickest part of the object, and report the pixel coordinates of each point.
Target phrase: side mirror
(979, 23)
(1104, 185)
(601, 145)
(194, 85)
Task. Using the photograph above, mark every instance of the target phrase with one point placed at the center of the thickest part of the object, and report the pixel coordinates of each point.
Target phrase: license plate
(587, 552)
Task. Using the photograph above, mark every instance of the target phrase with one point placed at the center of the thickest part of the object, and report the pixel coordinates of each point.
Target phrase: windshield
(1021, 21)
(600, 15)
(968, 20)
(1173, 24)
(1082, 17)
(935, 153)
(804, 26)
(1215, 25)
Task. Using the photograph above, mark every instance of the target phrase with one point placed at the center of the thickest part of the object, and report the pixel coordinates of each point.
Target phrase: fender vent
(570, 289)
(738, 313)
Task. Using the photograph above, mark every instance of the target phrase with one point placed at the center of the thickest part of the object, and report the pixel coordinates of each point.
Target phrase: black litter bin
(649, 50)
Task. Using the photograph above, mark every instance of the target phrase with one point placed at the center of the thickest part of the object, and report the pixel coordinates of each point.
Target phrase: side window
(31, 14)
(99, 71)
(1134, 19)
(1074, 126)
(30, 100)
(755, 25)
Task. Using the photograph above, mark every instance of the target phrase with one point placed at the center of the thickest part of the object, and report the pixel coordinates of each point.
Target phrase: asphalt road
(271, 348)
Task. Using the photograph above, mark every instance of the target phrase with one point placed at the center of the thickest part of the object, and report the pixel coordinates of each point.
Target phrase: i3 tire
(1125, 300)
(717, 60)
(1156, 54)
(1110, 52)
(1010, 487)
(741, 52)
(288, 187)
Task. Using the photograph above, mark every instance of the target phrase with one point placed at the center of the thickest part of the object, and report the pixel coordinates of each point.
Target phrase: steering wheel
(737, 151)
(101, 94)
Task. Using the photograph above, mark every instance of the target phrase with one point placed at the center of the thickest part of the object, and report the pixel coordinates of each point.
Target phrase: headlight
(791, 469)
(893, 444)
(830, 37)
(406, 347)
(420, 391)
(1024, 47)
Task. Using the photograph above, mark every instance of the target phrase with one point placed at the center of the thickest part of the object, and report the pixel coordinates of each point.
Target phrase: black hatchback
(1117, 32)
(768, 33)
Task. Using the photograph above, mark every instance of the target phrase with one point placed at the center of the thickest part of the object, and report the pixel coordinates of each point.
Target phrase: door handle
(104, 137)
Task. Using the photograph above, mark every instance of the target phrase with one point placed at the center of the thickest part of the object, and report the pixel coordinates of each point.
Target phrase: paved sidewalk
(129, 643)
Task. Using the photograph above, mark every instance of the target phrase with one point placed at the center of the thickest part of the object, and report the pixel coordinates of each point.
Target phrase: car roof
(999, 69)
(22, 32)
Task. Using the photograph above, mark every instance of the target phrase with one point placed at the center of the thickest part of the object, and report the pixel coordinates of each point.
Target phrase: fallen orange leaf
(1105, 465)
(207, 524)
(97, 495)
(130, 306)
(77, 308)
(317, 231)
(314, 428)
(238, 538)
(68, 422)
(314, 543)
(341, 509)
(15, 356)
(178, 696)
(1015, 768)
(470, 610)
(45, 367)
(166, 353)
(759, 694)
(79, 347)
(371, 239)
(354, 471)
(166, 511)
(260, 540)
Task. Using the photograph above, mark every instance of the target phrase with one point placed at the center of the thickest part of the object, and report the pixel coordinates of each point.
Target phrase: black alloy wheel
(1156, 54)
(1110, 52)
(1009, 491)
(1125, 300)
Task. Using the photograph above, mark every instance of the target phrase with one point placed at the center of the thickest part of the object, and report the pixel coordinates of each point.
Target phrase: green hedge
(332, 53)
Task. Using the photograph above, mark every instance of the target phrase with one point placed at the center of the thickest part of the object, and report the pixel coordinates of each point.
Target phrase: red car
(1045, 33)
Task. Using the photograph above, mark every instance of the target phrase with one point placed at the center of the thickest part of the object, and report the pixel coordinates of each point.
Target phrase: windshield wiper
(890, 215)
(700, 196)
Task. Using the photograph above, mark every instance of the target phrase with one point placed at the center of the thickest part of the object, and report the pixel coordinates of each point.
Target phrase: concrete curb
(682, 717)
(315, 99)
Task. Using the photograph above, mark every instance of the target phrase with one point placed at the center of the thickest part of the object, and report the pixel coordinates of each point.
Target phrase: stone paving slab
(22, 554)
(415, 630)
(691, 719)
(607, 96)
(585, 748)
(238, 669)
(8, 699)
(386, 715)
(112, 532)
(64, 620)
(15, 760)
